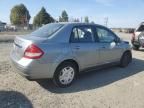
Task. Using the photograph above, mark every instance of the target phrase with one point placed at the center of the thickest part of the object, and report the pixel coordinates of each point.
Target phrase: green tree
(42, 18)
(60, 19)
(76, 20)
(86, 19)
(64, 17)
(20, 15)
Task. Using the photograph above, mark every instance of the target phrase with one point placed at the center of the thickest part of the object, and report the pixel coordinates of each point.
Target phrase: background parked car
(138, 37)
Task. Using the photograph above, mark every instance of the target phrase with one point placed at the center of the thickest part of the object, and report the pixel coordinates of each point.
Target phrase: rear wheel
(126, 59)
(65, 74)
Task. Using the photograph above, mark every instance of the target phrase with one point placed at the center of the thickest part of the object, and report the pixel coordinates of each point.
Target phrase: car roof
(77, 23)
(63, 35)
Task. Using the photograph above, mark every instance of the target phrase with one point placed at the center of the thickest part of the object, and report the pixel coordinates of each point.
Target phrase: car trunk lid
(19, 47)
(21, 43)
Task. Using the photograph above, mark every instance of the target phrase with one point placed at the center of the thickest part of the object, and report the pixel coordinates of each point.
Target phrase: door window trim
(104, 28)
(77, 26)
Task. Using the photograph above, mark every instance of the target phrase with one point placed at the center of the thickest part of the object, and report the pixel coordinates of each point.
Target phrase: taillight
(33, 52)
(133, 37)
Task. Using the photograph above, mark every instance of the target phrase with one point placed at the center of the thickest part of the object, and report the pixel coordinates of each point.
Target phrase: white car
(138, 37)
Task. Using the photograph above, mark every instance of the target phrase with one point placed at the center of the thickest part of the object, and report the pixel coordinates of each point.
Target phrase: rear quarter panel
(54, 54)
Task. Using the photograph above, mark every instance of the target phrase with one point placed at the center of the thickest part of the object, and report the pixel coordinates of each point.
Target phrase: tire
(136, 47)
(126, 59)
(62, 78)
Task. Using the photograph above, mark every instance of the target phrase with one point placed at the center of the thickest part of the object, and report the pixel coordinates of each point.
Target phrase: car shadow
(13, 99)
(142, 49)
(97, 79)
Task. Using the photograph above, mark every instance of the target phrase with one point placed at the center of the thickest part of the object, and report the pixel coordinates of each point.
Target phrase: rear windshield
(141, 28)
(47, 30)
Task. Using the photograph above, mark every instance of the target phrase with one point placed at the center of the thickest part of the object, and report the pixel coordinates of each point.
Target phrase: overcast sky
(121, 13)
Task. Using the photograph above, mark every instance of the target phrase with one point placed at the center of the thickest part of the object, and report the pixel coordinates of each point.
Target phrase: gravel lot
(109, 88)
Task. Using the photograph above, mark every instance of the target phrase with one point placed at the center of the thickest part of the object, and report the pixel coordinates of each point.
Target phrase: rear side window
(82, 34)
(141, 28)
(47, 30)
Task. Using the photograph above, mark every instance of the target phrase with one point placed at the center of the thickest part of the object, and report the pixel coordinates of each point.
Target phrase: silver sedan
(62, 50)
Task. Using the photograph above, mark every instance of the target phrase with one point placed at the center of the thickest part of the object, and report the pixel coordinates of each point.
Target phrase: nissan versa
(62, 50)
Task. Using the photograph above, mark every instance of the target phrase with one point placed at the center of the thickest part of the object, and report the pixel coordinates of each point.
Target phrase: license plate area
(17, 51)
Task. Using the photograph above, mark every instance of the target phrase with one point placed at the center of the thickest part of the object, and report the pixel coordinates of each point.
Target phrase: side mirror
(112, 44)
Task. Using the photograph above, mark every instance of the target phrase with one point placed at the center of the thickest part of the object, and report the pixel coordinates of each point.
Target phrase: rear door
(84, 47)
(110, 50)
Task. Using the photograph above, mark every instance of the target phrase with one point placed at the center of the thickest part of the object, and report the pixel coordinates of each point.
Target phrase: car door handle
(77, 47)
(103, 47)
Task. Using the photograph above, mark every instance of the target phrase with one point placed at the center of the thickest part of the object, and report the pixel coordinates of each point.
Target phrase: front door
(110, 50)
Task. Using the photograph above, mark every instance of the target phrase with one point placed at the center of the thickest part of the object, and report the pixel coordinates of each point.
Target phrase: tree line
(20, 16)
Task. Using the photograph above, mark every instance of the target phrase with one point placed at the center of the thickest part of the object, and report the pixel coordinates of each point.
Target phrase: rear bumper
(33, 69)
(25, 72)
(137, 43)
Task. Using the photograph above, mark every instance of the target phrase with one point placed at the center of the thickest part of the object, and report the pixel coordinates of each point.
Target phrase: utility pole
(106, 21)
(81, 19)
(26, 19)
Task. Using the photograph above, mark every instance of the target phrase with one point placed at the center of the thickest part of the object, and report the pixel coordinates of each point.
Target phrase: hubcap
(66, 75)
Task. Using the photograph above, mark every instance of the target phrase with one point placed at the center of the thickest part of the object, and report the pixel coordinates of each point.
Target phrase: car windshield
(47, 30)
(141, 28)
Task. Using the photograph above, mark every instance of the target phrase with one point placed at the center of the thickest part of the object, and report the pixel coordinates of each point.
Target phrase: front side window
(82, 35)
(105, 35)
